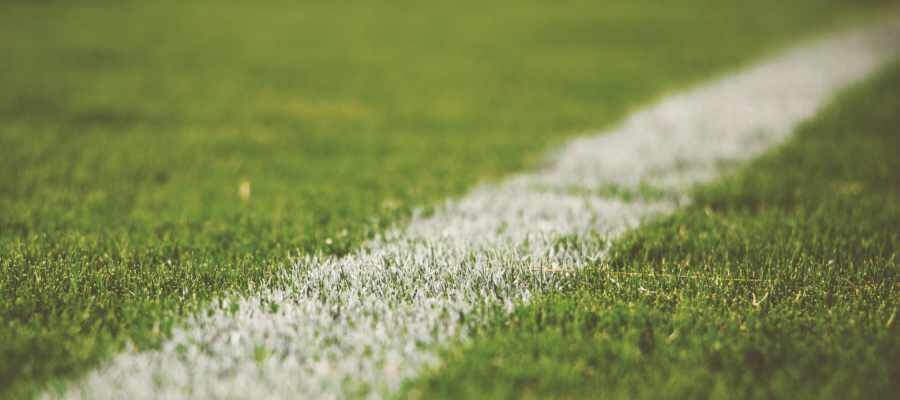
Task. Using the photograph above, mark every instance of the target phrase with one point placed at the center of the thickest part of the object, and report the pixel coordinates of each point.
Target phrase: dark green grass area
(778, 282)
(127, 130)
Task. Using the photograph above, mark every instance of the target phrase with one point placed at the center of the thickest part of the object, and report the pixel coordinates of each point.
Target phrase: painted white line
(362, 324)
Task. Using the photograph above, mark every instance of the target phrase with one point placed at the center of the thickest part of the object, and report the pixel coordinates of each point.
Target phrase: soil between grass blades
(778, 282)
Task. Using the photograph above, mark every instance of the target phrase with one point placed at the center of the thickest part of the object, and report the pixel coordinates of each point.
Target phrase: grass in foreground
(156, 155)
(779, 282)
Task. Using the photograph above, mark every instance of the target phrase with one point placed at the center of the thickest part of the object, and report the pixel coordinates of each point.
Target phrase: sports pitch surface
(366, 322)
(127, 250)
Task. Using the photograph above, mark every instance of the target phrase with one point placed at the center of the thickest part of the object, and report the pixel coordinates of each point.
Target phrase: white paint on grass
(364, 323)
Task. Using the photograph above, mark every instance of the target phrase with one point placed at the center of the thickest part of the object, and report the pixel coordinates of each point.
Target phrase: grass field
(778, 282)
(157, 156)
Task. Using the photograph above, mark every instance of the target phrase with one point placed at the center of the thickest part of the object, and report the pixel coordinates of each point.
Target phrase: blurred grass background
(156, 155)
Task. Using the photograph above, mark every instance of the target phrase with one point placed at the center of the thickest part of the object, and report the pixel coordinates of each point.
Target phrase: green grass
(127, 129)
(778, 282)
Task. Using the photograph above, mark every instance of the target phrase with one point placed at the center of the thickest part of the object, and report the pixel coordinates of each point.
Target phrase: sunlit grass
(156, 155)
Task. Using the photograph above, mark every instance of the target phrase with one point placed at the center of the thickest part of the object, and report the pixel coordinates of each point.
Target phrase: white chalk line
(362, 324)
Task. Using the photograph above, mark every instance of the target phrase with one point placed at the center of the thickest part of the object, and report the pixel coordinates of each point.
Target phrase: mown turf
(156, 155)
(778, 282)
